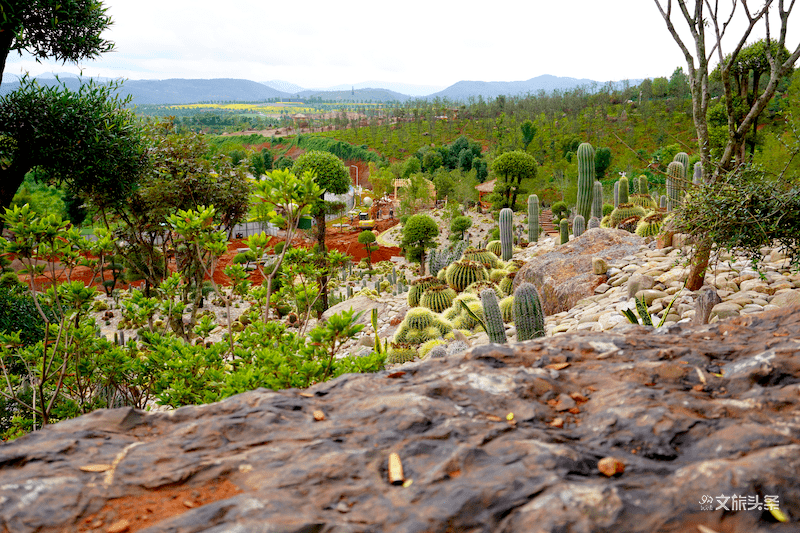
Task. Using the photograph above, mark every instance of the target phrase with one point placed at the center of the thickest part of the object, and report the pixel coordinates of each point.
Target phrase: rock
(639, 282)
(599, 266)
(786, 299)
(565, 275)
(725, 310)
(705, 303)
(649, 400)
(650, 295)
(602, 288)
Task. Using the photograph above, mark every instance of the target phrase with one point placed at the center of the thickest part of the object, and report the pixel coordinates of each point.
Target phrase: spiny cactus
(506, 307)
(585, 179)
(497, 274)
(624, 211)
(616, 193)
(629, 224)
(515, 264)
(597, 200)
(650, 226)
(479, 286)
(437, 298)
(437, 352)
(462, 274)
(643, 187)
(400, 353)
(507, 283)
(493, 318)
(662, 202)
(440, 259)
(533, 218)
(426, 349)
(683, 159)
(527, 311)
(594, 222)
(495, 247)
(578, 225)
(643, 200)
(564, 230)
(455, 310)
(418, 287)
(623, 191)
(697, 178)
(467, 320)
(481, 255)
(675, 173)
(506, 224)
(419, 318)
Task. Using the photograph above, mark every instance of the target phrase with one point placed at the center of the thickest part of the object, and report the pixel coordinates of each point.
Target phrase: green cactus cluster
(437, 298)
(533, 218)
(650, 226)
(578, 225)
(507, 308)
(585, 179)
(495, 247)
(481, 255)
(507, 283)
(514, 265)
(625, 211)
(455, 310)
(479, 286)
(439, 259)
(497, 274)
(420, 325)
(493, 317)
(623, 197)
(426, 347)
(464, 273)
(645, 201)
(527, 312)
(419, 286)
(469, 319)
(675, 176)
(563, 227)
(506, 225)
(400, 352)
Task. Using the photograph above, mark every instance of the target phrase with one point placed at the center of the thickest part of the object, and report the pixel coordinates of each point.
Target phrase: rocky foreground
(686, 428)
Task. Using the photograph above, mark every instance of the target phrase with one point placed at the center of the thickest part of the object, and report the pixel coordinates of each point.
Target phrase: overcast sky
(316, 43)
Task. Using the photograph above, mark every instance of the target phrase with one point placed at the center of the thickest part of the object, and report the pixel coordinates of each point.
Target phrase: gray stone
(639, 282)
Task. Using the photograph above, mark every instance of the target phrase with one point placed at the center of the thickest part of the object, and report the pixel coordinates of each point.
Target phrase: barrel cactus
(419, 318)
(594, 222)
(507, 283)
(578, 226)
(437, 298)
(643, 186)
(533, 218)
(650, 226)
(624, 211)
(400, 353)
(495, 247)
(462, 274)
(419, 286)
(564, 230)
(643, 200)
(507, 308)
(697, 178)
(629, 224)
(527, 312)
(496, 275)
(585, 179)
(479, 286)
(455, 309)
(493, 317)
(481, 255)
(506, 224)
(597, 200)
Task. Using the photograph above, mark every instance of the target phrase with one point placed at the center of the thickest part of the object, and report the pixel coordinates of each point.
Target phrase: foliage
(458, 226)
(419, 233)
(367, 238)
(512, 167)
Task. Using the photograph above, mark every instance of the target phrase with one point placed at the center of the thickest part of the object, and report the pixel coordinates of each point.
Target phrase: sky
(318, 44)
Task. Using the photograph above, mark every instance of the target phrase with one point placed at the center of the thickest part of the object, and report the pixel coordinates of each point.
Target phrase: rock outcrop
(499, 438)
(564, 276)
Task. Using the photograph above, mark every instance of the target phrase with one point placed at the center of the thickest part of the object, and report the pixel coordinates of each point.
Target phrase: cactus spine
(675, 173)
(578, 226)
(506, 234)
(493, 317)
(597, 201)
(464, 273)
(585, 179)
(643, 187)
(527, 311)
(533, 218)
(564, 228)
(437, 298)
(623, 191)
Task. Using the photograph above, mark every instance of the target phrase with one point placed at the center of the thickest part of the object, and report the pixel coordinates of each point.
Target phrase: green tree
(84, 139)
(65, 30)
(332, 176)
(602, 160)
(419, 233)
(513, 167)
(368, 238)
(528, 130)
(459, 225)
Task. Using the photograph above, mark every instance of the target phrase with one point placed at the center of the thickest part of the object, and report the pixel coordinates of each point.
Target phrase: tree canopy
(513, 167)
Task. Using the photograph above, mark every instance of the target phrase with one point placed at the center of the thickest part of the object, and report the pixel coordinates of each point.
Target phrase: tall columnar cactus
(578, 226)
(564, 229)
(683, 158)
(675, 174)
(506, 223)
(643, 187)
(533, 218)
(585, 179)
(527, 312)
(616, 193)
(440, 259)
(597, 200)
(697, 179)
(662, 202)
(493, 317)
(623, 191)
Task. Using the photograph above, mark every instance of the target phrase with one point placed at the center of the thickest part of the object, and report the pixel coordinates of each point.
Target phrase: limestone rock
(565, 275)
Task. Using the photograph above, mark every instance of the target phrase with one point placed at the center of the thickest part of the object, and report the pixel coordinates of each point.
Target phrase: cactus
(479, 286)
(437, 298)
(697, 178)
(683, 159)
(418, 287)
(662, 202)
(527, 312)
(624, 211)
(471, 314)
(578, 226)
(441, 259)
(585, 180)
(495, 247)
(462, 274)
(514, 265)
(455, 310)
(594, 222)
(506, 223)
(564, 228)
(623, 191)
(650, 226)
(533, 218)
(616, 194)
(419, 318)
(643, 187)
(481, 255)
(427, 347)
(629, 224)
(375, 329)
(507, 283)
(496, 275)
(643, 200)
(597, 200)
(493, 317)
(675, 172)
(400, 353)
(506, 307)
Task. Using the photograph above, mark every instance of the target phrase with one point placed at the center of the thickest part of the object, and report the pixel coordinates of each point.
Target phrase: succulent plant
(578, 225)
(585, 179)
(455, 310)
(419, 286)
(564, 230)
(507, 283)
(675, 176)
(644, 201)
(527, 312)
(643, 186)
(697, 178)
(506, 307)
(481, 255)
(426, 349)
(437, 352)
(533, 218)
(479, 286)
(493, 317)
(629, 224)
(624, 211)
(437, 298)
(616, 193)
(650, 226)
(400, 353)
(623, 191)
(594, 222)
(506, 224)
(463, 273)
(495, 247)
(496, 275)
(597, 200)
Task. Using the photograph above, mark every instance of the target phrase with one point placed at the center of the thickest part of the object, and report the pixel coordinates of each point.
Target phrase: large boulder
(634, 431)
(564, 276)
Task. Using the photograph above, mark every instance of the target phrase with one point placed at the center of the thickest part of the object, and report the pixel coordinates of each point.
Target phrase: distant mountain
(284, 86)
(355, 95)
(463, 90)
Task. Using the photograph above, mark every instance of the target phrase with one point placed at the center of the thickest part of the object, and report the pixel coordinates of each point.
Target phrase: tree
(459, 225)
(65, 30)
(332, 176)
(513, 167)
(707, 16)
(419, 233)
(602, 160)
(84, 139)
(678, 85)
(367, 238)
(528, 130)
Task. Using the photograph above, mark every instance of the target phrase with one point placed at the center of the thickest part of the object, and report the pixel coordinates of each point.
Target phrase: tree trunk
(323, 280)
(699, 265)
